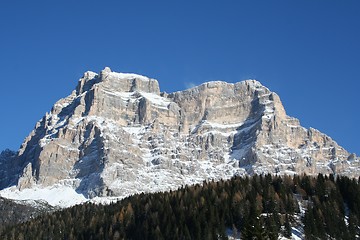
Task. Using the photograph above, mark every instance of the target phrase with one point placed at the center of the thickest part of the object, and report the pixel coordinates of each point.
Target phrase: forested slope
(261, 206)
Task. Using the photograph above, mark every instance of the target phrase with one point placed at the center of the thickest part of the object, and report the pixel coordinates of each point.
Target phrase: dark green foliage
(287, 227)
(331, 203)
(13, 212)
(260, 207)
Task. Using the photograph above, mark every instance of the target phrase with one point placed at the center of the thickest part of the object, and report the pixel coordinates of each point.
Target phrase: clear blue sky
(307, 51)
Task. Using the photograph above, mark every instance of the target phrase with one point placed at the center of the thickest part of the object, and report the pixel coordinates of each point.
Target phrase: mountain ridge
(116, 134)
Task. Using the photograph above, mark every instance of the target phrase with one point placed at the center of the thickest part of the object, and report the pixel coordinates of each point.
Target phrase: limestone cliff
(116, 135)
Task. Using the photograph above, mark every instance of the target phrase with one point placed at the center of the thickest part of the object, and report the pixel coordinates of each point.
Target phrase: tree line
(257, 207)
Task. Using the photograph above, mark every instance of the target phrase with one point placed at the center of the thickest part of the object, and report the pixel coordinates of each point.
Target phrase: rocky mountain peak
(86, 82)
(118, 82)
(116, 135)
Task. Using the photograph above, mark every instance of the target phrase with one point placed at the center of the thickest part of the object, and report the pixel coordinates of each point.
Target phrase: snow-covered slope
(117, 135)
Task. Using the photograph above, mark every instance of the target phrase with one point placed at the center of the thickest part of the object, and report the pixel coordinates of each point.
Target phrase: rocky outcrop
(116, 134)
(9, 168)
(15, 212)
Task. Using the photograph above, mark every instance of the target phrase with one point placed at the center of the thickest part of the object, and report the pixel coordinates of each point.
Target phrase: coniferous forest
(258, 207)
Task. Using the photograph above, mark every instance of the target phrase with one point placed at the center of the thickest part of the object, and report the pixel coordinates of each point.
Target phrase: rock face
(116, 135)
(15, 212)
(9, 168)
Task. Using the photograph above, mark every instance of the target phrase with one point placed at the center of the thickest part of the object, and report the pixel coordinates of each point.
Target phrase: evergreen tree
(287, 227)
(254, 229)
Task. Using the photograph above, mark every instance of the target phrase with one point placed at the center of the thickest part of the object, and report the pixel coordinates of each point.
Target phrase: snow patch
(128, 76)
(57, 195)
(156, 100)
(224, 125)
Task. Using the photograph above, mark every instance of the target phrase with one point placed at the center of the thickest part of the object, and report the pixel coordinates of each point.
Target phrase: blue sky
(307, 51)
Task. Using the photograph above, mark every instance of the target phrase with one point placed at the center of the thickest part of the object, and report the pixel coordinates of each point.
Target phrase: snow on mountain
(117, 135)
(56, 195)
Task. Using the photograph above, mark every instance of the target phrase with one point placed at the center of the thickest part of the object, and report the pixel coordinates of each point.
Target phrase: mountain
(13, 212)
(116, 134)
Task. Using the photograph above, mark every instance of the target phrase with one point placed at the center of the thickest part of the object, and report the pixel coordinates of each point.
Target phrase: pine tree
(287, 225)
(254, 230)
(353, 226)
(310, 229)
